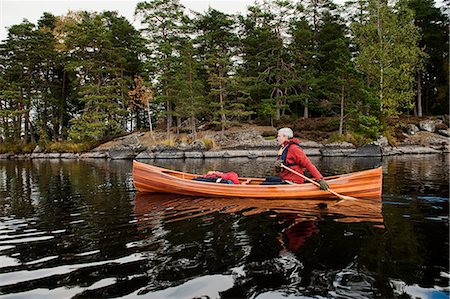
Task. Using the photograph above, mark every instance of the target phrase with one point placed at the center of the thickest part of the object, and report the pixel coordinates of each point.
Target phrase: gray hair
(286, 132)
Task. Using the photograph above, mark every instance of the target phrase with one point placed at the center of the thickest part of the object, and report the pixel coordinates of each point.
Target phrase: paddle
(318, 185)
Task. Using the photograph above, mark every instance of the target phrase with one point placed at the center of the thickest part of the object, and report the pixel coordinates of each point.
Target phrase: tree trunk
(169, 114)
(305, 110)
(222, 108)
(193, 127)
(380, 39)
(150, 119)
(61, 107)
(341, 118)
(419, 97)
(278, 94)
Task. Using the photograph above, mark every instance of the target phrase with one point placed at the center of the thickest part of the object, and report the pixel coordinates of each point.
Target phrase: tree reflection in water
(77, 229)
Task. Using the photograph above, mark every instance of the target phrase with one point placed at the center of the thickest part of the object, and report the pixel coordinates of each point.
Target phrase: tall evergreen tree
(432, 81)
(304, 53)
(50, 107)
(266, 58)
(188, 87)
(98, 68)
(18, 70)
(217, 45)
(389, 54)
(164, 30)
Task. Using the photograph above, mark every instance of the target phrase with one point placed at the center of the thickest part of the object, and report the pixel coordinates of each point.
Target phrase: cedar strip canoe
(151, 179)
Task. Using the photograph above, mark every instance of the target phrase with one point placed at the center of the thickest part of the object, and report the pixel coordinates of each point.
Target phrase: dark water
(78, 229)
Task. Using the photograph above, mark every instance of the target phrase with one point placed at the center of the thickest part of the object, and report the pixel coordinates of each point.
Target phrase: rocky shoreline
(375, 149)
(420, 139)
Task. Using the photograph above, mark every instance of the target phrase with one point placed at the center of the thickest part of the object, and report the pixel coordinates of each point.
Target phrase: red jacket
(229, 176)
(296, 159)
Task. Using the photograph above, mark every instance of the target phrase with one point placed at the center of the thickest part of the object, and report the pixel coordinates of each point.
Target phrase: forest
(73, 81)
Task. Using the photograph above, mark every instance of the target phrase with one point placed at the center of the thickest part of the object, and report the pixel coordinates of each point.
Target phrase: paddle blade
(345, 197)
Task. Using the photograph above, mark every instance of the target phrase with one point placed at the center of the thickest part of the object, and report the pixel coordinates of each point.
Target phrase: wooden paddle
(318, 185)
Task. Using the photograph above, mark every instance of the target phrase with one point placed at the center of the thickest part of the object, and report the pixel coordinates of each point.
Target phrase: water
(78, 229)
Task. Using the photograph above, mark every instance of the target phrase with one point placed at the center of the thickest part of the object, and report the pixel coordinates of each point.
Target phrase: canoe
(152, 179)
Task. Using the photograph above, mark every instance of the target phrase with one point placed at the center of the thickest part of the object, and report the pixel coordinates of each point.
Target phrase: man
(292, 156)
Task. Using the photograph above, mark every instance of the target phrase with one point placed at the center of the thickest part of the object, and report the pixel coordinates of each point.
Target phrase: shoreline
(249, 142)
(329, 150)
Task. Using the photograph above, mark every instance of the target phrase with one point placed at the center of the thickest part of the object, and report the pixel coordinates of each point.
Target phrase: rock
(125, 152)
(146, 155)
(6, 156)
(337, 149)
(183, 146)
(427, 125)
(417, 150)
(194, 155)
(38, 155)
(268, 143)
(311, 151)
(235, 153)
(391, 151)
(262, 153)
(445, 133)
(198, 145)
(169, 155)
(367, 150)
(382, 141)
(94, 155)
(21, 157)
(129, 148)
(214, 154)
(310, 144)
(69, 156)
(37, 149)
(122, 154)
(411, 129)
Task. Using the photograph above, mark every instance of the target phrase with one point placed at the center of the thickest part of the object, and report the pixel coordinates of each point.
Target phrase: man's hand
(323, 184)
(278, 164)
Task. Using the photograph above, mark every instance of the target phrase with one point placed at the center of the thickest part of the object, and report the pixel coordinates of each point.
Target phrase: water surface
(78, 229)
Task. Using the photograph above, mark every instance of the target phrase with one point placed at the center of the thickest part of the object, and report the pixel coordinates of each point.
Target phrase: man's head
(284, 134)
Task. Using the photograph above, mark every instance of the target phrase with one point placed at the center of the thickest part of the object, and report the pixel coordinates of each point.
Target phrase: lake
(78, 229)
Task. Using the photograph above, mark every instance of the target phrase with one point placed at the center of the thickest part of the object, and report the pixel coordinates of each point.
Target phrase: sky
(12, 12)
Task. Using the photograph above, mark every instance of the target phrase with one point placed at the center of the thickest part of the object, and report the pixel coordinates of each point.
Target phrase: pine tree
(432, 80)
(18, 85)
(389, 55)
(266, 59)
(164, 29)
(217, 44)
(98, 68)
(188, 88)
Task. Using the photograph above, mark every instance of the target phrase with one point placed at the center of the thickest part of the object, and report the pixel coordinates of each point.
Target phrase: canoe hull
(150, 179)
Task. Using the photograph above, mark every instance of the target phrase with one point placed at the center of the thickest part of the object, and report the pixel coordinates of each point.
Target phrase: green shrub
(16, 148)
(69, 147)
(209, 143)
(351, 137)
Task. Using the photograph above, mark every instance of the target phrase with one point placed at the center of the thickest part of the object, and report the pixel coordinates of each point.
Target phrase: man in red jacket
(292, 156)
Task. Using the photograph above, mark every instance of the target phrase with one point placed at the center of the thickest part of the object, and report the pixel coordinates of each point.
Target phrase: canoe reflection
(298, 216)
(172, 207)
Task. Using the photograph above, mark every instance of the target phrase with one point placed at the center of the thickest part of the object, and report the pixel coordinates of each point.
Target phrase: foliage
(350, 137)
(71, 77)
(69, 147)
(367, 125)
(7, 147)
(389, 55)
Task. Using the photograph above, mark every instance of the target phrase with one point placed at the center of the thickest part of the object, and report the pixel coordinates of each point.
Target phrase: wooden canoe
(149, 179)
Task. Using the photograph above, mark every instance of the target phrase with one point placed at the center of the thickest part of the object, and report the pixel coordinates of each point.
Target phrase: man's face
(281, 138)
